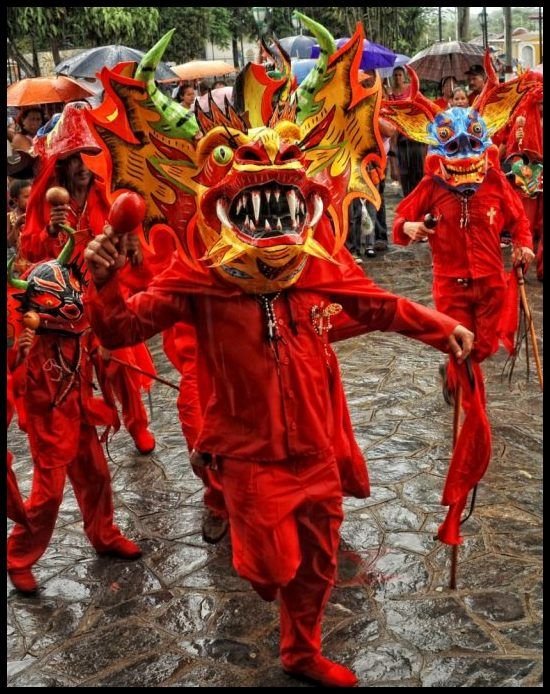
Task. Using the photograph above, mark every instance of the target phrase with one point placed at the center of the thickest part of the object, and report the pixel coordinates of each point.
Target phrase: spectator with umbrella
(28, 121)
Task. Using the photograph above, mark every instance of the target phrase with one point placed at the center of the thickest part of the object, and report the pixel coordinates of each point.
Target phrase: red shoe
(324, 672)
(144, 440)
(122, 548)
(23, 580)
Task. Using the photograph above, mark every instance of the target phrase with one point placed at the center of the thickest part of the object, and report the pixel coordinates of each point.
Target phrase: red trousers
(284, 519)
(91, 481)
(128, 393)
(477, 304)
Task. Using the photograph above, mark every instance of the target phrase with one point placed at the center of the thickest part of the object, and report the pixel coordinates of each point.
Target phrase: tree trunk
(462, 23)
(35, 61)
(235, 49)
(21, 61)
(56, 55)
(507, 12)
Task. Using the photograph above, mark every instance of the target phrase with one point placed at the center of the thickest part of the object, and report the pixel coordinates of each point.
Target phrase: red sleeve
(411, 209)
(399, 315)
(121, 323)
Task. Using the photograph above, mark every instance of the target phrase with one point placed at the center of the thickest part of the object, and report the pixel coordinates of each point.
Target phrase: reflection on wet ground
(180, 616)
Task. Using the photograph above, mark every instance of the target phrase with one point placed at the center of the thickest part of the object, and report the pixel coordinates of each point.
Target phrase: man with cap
(476, 79)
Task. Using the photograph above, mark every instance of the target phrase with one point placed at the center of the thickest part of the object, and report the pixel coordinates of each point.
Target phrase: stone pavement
(181, 617)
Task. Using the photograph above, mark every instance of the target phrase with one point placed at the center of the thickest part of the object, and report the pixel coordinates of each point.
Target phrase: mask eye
(222, 155)
(48, 301)
(291, 153)
(476, 129)
(444, 133)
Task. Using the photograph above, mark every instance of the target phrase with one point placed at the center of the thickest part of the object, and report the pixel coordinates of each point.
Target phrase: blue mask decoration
(462, 152)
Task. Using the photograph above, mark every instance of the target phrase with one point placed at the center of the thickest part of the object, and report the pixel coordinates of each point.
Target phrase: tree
(42, 28)
(463, 23)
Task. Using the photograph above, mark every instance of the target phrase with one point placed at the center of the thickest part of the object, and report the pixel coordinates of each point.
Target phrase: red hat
(71, 134)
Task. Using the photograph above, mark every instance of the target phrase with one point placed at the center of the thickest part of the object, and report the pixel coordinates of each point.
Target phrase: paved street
(181, 617)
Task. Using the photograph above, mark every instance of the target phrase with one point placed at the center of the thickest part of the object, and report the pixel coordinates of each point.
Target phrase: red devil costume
(269, 419)
(258, 207)
(62, 418)
(461, 206)
(71, 136)
(521, 150)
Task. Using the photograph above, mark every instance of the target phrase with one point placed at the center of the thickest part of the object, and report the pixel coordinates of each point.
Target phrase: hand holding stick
(529, 320)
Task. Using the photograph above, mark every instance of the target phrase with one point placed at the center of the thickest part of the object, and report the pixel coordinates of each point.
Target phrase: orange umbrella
(33, 91)
(198, 69)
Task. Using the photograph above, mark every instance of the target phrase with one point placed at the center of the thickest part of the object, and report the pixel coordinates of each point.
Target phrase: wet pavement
(181, 617)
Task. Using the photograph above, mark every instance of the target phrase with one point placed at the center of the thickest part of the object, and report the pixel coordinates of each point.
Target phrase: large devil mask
(246, 199)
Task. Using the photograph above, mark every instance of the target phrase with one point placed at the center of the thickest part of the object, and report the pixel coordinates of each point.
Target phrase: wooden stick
(529, 319)
(141, 371)
(456, 430)
(454, 564)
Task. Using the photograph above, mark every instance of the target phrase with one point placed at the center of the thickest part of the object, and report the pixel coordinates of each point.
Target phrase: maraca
(127, 213)
(57, 196)
(31, 320)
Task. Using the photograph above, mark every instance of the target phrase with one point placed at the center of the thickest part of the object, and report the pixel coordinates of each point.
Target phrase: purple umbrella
(374, 54)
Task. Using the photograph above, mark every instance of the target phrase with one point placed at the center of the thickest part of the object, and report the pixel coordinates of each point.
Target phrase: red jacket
(473, 251)
(268, 400)
(54, 429)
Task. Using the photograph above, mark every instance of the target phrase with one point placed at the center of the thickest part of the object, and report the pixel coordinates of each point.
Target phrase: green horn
(149, 63)
(67, 250)
(175, 120)
(305, 94)
(15, 281)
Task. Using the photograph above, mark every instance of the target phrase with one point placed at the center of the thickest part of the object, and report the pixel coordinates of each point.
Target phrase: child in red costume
(86, 212)
(59, 353)
(469, 280)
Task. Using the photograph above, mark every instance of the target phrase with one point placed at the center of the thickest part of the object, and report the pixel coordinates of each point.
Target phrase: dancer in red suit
(461, 206)
(522, 155)
(59, 355)
(258, 207)
(180, 346)
(268, 421)
(86, 211)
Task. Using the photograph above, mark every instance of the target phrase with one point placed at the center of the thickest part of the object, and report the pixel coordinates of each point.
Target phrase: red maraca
(127, 213)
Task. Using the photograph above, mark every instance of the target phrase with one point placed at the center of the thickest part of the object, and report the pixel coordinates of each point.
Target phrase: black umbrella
(90, 62)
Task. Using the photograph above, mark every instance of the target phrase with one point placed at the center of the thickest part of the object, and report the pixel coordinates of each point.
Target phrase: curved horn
(15, 281)
(180, 121)
(305, 94)
(67, 250)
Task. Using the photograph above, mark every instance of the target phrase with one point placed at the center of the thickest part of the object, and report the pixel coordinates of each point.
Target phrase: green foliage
(130, 26)
(404, 29)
